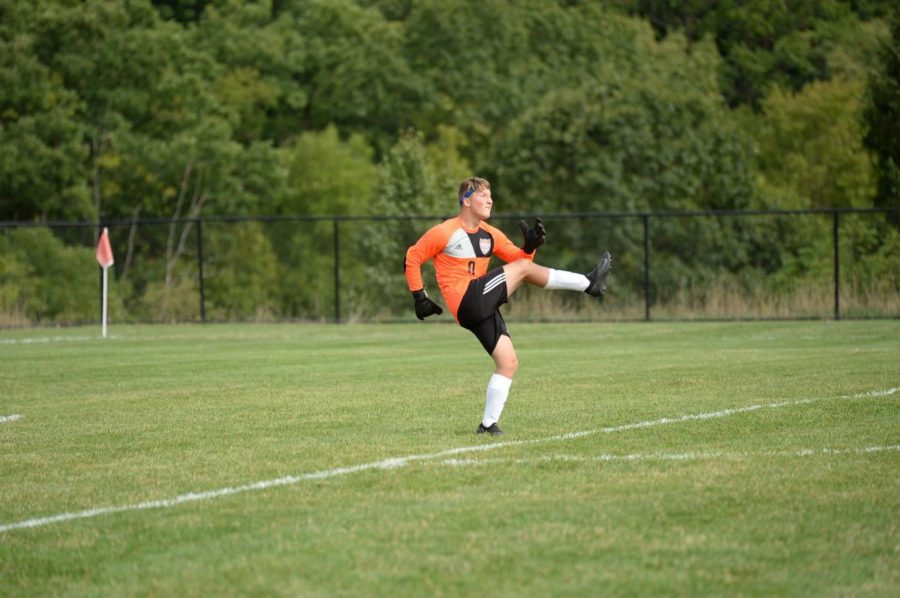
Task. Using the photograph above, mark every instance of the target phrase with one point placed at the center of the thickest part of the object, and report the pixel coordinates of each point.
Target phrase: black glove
(425, 306)
(534, 237)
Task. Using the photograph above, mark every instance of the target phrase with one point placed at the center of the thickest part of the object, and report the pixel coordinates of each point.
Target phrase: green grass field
(639, 459)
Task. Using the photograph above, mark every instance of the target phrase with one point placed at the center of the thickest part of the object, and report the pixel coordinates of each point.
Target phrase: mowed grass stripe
(396, 462)
(640, 457)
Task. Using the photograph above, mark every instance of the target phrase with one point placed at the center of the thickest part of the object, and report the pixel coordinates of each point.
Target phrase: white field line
(638, 457)
(9, 418)
(397, 462)
(45, 339)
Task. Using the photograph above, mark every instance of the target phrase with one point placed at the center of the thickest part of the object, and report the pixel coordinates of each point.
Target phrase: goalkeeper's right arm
(424, 306)
(412, 266)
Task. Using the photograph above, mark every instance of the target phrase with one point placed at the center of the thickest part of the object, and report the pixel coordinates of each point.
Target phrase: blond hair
(471, 185)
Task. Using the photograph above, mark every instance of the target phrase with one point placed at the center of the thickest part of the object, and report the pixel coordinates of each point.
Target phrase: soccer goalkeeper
(461, 248)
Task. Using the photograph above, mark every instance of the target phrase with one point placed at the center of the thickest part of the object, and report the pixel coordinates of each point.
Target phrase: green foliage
(176, 301)
(241, 276)
(43, 280)
(328, 175)
(417, 179)
(41, 148)
(646, 132)
(355, 74)
(870, 254)
(763, 42)
(183, 11)
(262, 57)
(178, 109)
(473, 58)
(307, 257)
(882, 117)
(810, 147)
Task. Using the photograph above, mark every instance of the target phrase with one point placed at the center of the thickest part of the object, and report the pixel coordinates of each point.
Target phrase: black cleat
(493, 429)
(597, 276)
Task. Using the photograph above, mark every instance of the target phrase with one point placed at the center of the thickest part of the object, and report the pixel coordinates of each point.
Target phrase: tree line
(183, 108)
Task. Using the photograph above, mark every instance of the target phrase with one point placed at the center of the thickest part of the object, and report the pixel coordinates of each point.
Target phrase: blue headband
(467, 195)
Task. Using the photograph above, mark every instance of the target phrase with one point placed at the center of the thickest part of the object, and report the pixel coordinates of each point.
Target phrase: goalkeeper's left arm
(533, 237)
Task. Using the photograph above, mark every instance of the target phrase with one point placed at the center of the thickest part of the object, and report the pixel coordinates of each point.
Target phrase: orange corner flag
(104, 251)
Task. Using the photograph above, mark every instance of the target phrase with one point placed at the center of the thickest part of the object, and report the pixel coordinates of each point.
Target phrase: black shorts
(479, 310)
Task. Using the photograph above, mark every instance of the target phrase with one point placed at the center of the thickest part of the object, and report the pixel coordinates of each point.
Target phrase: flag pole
(105, 259)
(105, 302)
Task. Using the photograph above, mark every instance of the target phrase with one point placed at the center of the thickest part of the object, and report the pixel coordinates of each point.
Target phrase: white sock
(497, 391)
(569, 281)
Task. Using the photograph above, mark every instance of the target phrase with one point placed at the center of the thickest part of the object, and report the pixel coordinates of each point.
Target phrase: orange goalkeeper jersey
(460, 255)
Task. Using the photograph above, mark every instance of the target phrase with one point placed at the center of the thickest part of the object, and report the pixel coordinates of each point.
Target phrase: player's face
(481, 202)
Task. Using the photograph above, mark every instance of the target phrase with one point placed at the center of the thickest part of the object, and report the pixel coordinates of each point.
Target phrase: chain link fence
(789, 264)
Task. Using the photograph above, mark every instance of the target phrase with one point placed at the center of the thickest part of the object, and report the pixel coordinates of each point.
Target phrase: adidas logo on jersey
(461, 245)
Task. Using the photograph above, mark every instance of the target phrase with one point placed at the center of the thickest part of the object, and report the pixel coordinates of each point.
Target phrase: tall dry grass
(723, 300)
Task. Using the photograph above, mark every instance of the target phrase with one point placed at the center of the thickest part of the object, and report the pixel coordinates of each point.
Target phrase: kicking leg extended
(526, 271)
